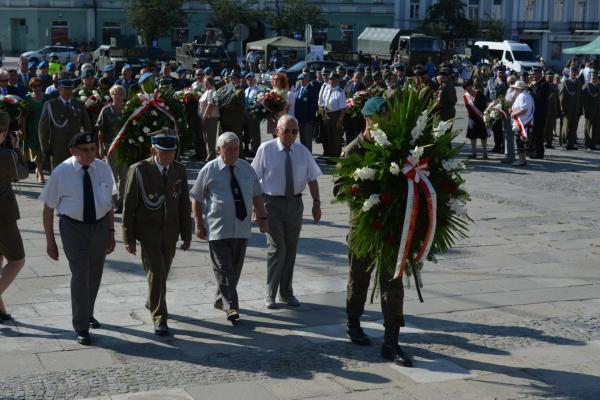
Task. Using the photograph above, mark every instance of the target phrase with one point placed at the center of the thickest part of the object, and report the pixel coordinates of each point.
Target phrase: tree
(229, 13)
(155, 18)
(291, 16)
(493, 30)
(447, 21)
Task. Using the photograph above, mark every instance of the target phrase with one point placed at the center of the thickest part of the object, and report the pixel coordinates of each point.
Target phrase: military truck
(106, 54)
(194, 55)
(385, 43)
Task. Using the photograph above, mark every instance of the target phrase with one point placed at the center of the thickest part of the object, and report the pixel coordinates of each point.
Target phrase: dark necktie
(240, 206)
(68, 104)
(289, 175)
(165, 172)
(89, 206)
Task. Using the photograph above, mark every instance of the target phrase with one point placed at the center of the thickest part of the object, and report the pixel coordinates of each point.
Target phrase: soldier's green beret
(375, 105)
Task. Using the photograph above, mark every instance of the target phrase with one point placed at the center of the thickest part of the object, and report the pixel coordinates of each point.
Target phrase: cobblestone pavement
(513, 312)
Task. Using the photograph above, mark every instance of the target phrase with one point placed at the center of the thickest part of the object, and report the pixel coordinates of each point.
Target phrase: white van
(514, 55)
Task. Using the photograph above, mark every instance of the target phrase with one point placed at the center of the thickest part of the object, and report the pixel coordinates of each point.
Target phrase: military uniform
(540, 91)
(571, 107)
(232, 114)
(58, 124)
(552, 113)
(591, 110)
(157, 213)
(446, 96)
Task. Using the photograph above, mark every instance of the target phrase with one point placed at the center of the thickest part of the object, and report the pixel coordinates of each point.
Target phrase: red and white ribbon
(473, 110)
(418, 177)
(147, 100)
(522, 128)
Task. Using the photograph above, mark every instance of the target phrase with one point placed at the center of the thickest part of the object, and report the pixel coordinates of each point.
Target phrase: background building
(547, 26)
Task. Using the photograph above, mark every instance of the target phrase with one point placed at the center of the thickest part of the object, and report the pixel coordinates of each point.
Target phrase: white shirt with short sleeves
(524, 101)
(269, 165)
(64, 190)
(334, 102)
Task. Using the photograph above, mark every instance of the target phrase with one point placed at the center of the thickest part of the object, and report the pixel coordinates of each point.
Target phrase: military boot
(355, 332)
(390, 349)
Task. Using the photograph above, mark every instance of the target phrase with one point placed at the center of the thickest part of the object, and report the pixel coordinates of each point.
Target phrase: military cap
(31, 64)
(180, 70)
(164, 139)
(126, 67)
(387, 74)
(335, 76)
(325, 70)
(4, 120)
(234, 74)
(109, 68)
(43, 64)
(66, 84)
(549, 72)
(377, 75)
(537, 68)
(340, 69)
(500, 68)
(200, 72)
(478, 64)
(303, 75)
(368, 77)
(398, 66)
(208, 70)
(87, 72)
(70, 66)
(82, 138)
(360, 68)
(249, 75)
(224, 72)
(145, 76)
(374, 105)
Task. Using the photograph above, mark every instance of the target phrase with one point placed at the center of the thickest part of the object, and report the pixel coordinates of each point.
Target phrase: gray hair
(4, 73)
(226, 137)
(285, 118)
(116, 88)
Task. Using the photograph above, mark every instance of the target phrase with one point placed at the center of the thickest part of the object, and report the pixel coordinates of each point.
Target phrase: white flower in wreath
(417, 131)
(458, 207)
(131, 141)
(107, 98)
(134, 122)
(141, 139)
(83, 98)
(452, 164)
(371, 202)
(365, 174)
(95, 92)
(380, 138)
(82, 93)
(153, 113)
(416, 153)
(394, 168)
(146, 129)
(155, 123)
(442, 128)
(167, 108)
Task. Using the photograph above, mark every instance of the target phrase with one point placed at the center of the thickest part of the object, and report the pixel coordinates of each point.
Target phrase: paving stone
(236, 390)
(171, 394)
(76, 359)
(308, 387)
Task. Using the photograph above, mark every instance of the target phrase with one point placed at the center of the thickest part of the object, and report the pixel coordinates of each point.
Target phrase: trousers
(157, 259)
(227, 256)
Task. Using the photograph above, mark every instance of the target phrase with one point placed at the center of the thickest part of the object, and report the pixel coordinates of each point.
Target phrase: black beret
(82, 138)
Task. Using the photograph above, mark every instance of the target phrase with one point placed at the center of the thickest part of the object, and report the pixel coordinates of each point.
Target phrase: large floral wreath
(147, 111)
(406, 190)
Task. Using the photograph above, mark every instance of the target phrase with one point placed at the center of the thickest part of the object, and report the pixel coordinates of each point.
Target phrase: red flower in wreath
(377, 225)
(386, 198)
(355, 190)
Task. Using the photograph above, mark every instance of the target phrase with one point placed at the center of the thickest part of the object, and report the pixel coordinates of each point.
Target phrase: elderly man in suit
(306, 109)
(156, 213)
(62, 118)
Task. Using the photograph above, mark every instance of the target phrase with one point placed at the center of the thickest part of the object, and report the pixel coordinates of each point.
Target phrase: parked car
(64, 53)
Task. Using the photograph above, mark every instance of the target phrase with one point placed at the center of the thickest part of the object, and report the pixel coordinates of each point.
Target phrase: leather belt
(81, 222)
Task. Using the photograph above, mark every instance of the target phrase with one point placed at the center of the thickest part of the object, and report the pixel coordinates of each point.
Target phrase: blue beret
(208, 70)
(234, 73)
(280, 69)
(65, 83)
(249, 75)
(164, 139)
(374, 105)
(43, 64)
(180, 70)
(479, 64)
(82, 138)
(224, 72)
(70, 66)
(360, 68)
(145, 76)
(303, 75)
(109, 68)
(31, 64)
(500, 68)
(126, 67)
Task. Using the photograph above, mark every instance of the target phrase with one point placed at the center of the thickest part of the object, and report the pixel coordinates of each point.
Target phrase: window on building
(528, 10)
(581, 10)
(497, 9)
(559, 10)
(473, 10)
(415, 6)
(59, 32)
(555, 51)
(180, 35)
(110, 29)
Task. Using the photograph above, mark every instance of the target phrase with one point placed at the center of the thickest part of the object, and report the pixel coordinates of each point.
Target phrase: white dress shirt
(64, 190)
(332, 100)
(524, 101)
(250, 94)
(269, 165)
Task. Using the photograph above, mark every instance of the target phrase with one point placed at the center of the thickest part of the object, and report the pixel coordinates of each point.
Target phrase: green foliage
(155, 18)
(446, 20)
(377, 231)
(289, 16)
(229, 13)
(493, 29)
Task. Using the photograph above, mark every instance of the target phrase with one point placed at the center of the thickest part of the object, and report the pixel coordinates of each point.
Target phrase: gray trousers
(119, 172)
(307, 132)
(210, 130)
(285, 222)
(251, 132)
(85, 248)
(509, 140)
(227, 256)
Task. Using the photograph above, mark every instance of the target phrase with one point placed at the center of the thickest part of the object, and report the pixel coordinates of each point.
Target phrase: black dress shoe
(147, 305)
(396, 355)
(358, 336)
(537, 157)
(232, 315)
(5, 316)
(218, 304)
(161, 329)
(94, 324)
(549, 146)
(571, 148)
(84, 338)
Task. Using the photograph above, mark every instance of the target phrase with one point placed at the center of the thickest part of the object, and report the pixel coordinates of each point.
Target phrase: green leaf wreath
(375, 186)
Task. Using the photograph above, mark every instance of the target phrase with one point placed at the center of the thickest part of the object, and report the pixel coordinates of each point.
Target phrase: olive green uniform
(232, 114)
(591, 111)
(392, 291)
(446, 105)
(12, 168)
(553, 112)
(157, 214)
(58, 124)
(570, 105)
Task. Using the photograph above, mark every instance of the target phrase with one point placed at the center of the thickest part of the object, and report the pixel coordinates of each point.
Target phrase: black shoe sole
(233, 317)
(360, 342)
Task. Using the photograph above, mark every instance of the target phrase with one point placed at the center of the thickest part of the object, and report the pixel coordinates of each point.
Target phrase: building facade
(548, 26)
